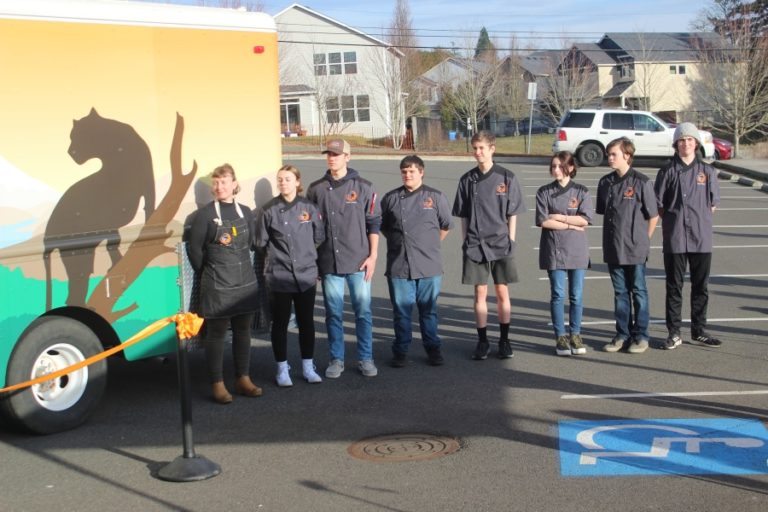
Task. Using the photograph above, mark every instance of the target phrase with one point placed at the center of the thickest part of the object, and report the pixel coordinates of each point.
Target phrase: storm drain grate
(404, 447)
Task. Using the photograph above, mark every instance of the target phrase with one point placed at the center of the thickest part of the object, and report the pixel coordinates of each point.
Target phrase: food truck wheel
(49, 344)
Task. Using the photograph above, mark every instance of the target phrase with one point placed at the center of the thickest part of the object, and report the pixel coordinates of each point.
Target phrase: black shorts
(504, 271)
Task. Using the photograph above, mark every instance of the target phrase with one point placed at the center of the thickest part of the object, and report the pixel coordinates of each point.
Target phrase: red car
(723, 149)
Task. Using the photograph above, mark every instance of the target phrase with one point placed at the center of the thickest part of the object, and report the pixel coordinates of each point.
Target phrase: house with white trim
(334, 79)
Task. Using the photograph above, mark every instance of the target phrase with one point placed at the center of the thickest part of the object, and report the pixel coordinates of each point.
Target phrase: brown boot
(244, 386)
(220, 393)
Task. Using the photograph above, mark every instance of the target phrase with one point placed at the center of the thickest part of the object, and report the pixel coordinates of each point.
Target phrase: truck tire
(591, 155)
(49, 344)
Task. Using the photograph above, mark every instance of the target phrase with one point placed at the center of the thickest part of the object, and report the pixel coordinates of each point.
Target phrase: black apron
(228, 283)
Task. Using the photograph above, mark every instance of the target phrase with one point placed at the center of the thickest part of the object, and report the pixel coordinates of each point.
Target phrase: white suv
(586, 133)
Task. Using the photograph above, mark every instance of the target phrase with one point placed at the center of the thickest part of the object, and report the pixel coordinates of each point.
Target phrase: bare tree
(648, 73)
(511, 98)
(387, 75)
(467, 91)
(733, 79)
(396, 70)
(571, 83)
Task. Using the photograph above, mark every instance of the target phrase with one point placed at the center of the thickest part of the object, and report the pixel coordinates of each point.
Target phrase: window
(646, 123)
(681, 70)
(348, 109)
(335, 63)
(578, 120)
(350, 63)
(320, 67)
(617, 122)
(672, 70)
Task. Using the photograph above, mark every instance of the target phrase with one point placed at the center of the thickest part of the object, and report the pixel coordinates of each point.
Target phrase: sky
(550, 24)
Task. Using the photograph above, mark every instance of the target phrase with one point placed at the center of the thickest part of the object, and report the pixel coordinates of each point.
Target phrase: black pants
(674, 266)
(304, 306)
(216, 332)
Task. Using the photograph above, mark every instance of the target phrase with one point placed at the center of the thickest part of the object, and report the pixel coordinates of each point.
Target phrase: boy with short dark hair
(415, 219)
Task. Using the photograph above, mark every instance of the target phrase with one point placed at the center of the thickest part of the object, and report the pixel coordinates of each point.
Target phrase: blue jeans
(404, 293)
(629, 283)
(575, 299)
(360, 296)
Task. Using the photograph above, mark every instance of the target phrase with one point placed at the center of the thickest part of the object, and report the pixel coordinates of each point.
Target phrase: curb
(742, 175)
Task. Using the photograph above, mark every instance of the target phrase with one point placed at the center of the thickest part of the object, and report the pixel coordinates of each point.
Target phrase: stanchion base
(189, 469)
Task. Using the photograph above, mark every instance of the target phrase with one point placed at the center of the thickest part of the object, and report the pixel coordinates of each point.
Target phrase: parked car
(723, 149)
(586, 133)
(538, 126)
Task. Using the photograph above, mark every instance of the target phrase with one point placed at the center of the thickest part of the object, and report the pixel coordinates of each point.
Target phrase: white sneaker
(367, 368)
(334, 369)
(283, 378)
(308, 367)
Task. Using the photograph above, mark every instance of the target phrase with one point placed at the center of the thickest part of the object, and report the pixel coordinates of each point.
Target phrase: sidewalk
(752, 172)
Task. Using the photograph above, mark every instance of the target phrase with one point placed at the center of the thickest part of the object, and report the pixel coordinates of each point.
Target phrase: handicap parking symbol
(725, 446)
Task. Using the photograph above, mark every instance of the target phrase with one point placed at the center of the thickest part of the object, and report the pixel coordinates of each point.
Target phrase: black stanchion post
(188, 467)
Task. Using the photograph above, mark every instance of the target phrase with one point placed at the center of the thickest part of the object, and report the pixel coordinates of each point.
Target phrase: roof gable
(330, 21)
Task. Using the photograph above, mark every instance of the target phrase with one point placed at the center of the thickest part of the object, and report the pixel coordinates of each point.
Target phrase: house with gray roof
(335, 79)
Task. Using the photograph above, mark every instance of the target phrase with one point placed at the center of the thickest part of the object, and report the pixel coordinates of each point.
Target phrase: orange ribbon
(187, 325)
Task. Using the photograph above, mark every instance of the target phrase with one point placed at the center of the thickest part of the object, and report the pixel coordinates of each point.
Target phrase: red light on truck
(561, 135)
(258, 49)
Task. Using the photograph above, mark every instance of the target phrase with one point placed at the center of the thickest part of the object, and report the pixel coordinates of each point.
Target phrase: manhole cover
(404, 447)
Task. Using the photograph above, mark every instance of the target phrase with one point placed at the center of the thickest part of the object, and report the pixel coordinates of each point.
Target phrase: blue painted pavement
(726, 446)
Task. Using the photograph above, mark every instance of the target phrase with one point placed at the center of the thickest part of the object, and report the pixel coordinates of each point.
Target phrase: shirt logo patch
(573, 203)
(501, 188)
(351, 197)
(629, 193)
(304, 216)
(428, 203)
(225, 239)
(701, 178)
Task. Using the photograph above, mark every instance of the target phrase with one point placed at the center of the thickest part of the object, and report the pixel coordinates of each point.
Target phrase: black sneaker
(481, 351)
(673, 341)
(505, 350)
(706, 339)
(434, 356)
(399, 361)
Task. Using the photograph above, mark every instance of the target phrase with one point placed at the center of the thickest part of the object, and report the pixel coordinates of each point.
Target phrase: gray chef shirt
(686, 195)
(411, 222)
(351, 212)
(627, 203)
(290, 232)
(487, 201)
(563, 248)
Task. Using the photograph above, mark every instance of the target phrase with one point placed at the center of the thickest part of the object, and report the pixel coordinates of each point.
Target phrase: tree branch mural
(140, 253)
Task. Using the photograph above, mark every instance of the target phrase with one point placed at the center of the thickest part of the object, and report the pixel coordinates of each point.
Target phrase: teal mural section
(155, 292)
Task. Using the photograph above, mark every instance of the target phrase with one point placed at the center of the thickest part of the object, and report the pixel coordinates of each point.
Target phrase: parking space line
(673, 394)
(709, 320)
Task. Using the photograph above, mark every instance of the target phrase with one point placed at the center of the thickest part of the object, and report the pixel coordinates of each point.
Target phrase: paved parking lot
(534, 433)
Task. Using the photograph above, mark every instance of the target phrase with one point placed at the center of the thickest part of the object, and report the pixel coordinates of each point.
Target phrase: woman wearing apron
(220, 240)
(290, 229)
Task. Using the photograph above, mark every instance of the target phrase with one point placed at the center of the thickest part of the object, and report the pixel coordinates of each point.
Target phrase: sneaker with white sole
(638, 346)
(562, 348)
(615, 344)
(706, 339)
(283, 378)
(367, 368)
(577, 345)
(334, 369)
(672, 342)
(309, 371)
